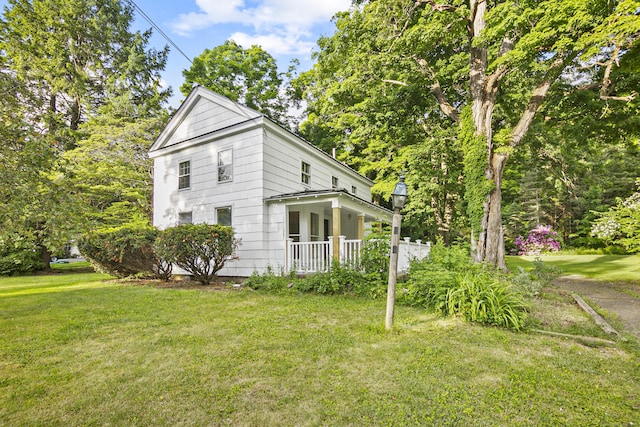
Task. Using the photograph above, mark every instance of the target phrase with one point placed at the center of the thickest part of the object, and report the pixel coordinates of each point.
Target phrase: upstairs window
(184, 175)
(334, 182)
(354, 190)
(306, 173)
(225, 165)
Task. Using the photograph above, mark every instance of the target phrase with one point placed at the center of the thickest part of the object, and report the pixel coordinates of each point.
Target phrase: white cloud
(275, 44)
(280, 26)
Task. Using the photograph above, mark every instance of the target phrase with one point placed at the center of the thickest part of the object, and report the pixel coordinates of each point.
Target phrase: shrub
(200, 249)
(621, 224)
(482, 299)
(125, 251)
(540, 239)
(271, 281)
(18, 254)
(374, 256)
(450, 284)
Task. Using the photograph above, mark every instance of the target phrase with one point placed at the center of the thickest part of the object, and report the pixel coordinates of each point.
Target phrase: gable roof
(184, 125)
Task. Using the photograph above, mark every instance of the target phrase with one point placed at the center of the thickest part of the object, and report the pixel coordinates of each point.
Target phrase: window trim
(226, 166)
(183, 175)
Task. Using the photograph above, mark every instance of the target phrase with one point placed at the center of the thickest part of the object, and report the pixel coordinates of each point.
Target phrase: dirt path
(619, 299)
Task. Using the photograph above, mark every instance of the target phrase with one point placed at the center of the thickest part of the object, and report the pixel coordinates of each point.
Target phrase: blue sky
(286, 29)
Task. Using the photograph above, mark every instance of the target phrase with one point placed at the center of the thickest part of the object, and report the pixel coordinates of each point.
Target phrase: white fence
(313, 257)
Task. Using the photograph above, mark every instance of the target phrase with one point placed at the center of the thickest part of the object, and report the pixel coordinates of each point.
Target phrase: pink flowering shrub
(540, 239)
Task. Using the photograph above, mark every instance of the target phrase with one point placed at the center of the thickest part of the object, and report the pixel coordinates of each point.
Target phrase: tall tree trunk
(494, 241)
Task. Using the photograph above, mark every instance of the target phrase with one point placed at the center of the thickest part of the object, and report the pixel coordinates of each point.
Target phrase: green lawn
(77, 350)
(615, 268)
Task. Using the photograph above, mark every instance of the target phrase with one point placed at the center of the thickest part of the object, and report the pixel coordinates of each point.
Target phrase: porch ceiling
(336, 198)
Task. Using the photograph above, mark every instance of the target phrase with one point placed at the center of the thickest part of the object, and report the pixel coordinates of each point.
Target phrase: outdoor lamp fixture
(398, 198)
(399, 195)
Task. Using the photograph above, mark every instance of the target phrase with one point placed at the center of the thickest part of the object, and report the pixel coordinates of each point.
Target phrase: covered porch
(330, 225)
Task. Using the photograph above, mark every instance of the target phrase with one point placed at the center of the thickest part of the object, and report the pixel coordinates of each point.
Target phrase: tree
(110, 172)
(249, 76)
(484, 68)
(61, 62)
(621, 223)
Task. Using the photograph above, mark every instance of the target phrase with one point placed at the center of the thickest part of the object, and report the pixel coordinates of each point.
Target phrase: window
(185, 218)
(334, 182)
(306, 173)
(294, 225)
(223, 216)
(354, 190)
(184, 175)
(225, 165)
(315, 227)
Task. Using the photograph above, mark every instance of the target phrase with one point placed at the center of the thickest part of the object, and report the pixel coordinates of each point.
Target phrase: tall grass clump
(449, 283)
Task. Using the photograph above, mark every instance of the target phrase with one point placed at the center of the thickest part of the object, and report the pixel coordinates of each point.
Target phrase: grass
(613, 268)
(78, 350)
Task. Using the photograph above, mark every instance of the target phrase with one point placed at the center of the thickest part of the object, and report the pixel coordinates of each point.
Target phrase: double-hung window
(225, 165)
(306, 173)
(223, 216)
(184, 175)
(334, 182)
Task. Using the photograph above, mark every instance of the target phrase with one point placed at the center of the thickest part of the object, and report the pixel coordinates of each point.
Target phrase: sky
(286, 29)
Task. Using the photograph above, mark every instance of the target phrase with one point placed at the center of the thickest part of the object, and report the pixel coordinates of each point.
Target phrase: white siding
(282, 168)
(244, 194)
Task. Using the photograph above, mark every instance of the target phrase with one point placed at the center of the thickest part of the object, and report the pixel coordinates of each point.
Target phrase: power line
(162, 33)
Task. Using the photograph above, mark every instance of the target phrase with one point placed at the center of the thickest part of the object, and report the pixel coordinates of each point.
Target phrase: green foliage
(339, 280)
(392, 87)
(125, 251)
(19, 254)
(621, 224)
(449, 283)
(249, 76)
(272, 282)
(481, 298)
(477, 186)
(63, 62)
(111, 173)
(374, 255)
(200, 249)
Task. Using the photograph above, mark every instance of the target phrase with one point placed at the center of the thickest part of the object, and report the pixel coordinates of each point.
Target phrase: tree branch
(537, 97)
(436, 90)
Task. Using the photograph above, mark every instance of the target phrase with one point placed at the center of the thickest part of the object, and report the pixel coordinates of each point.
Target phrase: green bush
(481, 298)
(341, 279)
(450, 284)
(125, 251)
(271, 281)
(200, 249)
(18, 254)
(374, 256)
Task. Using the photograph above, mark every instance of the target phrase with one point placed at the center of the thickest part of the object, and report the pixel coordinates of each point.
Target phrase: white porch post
(288, 253)
(361, 227)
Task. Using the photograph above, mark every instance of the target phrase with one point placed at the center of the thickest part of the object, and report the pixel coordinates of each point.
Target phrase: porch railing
(314, 257)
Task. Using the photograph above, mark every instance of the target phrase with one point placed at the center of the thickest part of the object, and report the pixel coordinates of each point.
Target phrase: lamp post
(398, 198)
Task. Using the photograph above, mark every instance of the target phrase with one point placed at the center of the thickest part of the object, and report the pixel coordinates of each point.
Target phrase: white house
(292, 205)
